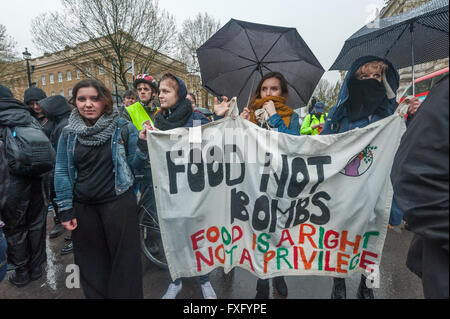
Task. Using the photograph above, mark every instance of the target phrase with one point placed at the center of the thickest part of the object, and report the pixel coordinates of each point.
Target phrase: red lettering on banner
(196, 238)
(365, 262)
(199, 256)
(246, 256)
(285, 236)
(303, 234)
(307, 263)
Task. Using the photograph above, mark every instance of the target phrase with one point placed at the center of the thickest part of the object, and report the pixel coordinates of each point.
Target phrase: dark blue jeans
(202, 279)
(396, 216)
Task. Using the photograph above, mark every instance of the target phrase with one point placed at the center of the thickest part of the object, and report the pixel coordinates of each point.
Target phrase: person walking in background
(420, 177)
(367, 95)
(94, 192)
(313, 122)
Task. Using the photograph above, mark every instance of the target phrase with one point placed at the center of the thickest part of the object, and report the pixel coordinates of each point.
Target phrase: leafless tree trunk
(7, 51)
(106, 33)
(195, 32)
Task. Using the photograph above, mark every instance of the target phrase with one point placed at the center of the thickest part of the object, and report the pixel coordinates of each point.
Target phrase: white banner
(232, 194)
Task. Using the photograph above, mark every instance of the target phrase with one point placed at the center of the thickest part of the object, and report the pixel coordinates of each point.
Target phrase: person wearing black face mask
(367, 95)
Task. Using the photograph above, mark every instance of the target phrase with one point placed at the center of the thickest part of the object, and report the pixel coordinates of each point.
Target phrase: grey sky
(323, 24)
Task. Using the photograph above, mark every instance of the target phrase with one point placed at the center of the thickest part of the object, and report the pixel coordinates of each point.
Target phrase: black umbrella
(417, 36)
(235, 58)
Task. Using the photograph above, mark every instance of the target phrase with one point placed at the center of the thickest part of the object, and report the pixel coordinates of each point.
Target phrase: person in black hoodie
(421, 186)
(4, 182)
(31, 98)
(57, 111)
(24, 213)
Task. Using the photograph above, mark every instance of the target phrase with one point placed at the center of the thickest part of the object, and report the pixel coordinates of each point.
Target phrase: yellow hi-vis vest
(138, 115)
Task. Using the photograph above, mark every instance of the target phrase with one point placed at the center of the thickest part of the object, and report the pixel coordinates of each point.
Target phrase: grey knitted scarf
(97, 134)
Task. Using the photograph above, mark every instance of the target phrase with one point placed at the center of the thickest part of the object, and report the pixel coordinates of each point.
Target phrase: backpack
(28, 151)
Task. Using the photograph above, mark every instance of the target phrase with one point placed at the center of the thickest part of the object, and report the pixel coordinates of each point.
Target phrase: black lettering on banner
(275, 209)
(261, 206)
(266, 173)
(295, 187)
(238, 202)
(281, 181)
(173, 169)
(240, 179)
(319, 161)
(301, 213)
(325, 217)
(196, 180)
(214, 155)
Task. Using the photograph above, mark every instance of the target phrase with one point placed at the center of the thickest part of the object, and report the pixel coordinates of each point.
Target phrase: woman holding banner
(176, 111)
(367, 95)
(268, 109)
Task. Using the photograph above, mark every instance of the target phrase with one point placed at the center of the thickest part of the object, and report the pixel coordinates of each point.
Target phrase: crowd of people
(101, 164)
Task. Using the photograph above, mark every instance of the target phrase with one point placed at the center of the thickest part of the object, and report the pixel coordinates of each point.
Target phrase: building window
(88, 71)
(53, 93)
(101, 70)
(52, 79)
(69, 76)
(61, 92)
(78, 74)
(43, 80)
(70, 93)
(129, 68)
(60, 79)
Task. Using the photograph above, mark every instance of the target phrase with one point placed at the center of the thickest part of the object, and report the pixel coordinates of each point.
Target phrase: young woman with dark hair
(93, 183)
(268, 109)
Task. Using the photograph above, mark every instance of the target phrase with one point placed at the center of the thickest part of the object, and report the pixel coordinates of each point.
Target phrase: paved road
(396, 281)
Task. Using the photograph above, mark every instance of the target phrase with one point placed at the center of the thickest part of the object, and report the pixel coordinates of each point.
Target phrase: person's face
(36, 107)
(370, 73)
(144, 91)
(129, 100)
(271, 87)
(88, 103)
(190, 98)
(168, 97)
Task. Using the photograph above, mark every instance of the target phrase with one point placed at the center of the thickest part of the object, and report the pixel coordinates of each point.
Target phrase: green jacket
(311, 120)
(138, 114)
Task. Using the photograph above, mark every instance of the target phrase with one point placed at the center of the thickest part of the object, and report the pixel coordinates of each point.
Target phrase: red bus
(424, 84)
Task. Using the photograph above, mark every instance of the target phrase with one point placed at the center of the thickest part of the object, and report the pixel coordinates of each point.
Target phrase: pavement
(396, 281)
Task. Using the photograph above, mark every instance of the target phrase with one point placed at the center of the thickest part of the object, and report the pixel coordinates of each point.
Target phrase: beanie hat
(5, 92)
(33, 94)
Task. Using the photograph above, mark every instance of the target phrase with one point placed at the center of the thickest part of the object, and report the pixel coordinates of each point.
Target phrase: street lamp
(27, 57)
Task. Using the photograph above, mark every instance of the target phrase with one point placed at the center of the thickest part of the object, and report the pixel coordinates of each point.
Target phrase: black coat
(420, 177)
(57, 111)
(4, 179)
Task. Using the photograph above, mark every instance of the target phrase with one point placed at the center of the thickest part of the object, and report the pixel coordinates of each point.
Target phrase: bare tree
(7, 51)
(327, 93)
(106, 33)
(195, 32)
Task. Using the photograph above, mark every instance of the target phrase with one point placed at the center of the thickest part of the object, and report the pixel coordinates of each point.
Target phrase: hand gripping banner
(232, 194)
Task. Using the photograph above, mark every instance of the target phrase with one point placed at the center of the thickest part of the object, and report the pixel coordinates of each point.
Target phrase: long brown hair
(283, 85)
(103, 93)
